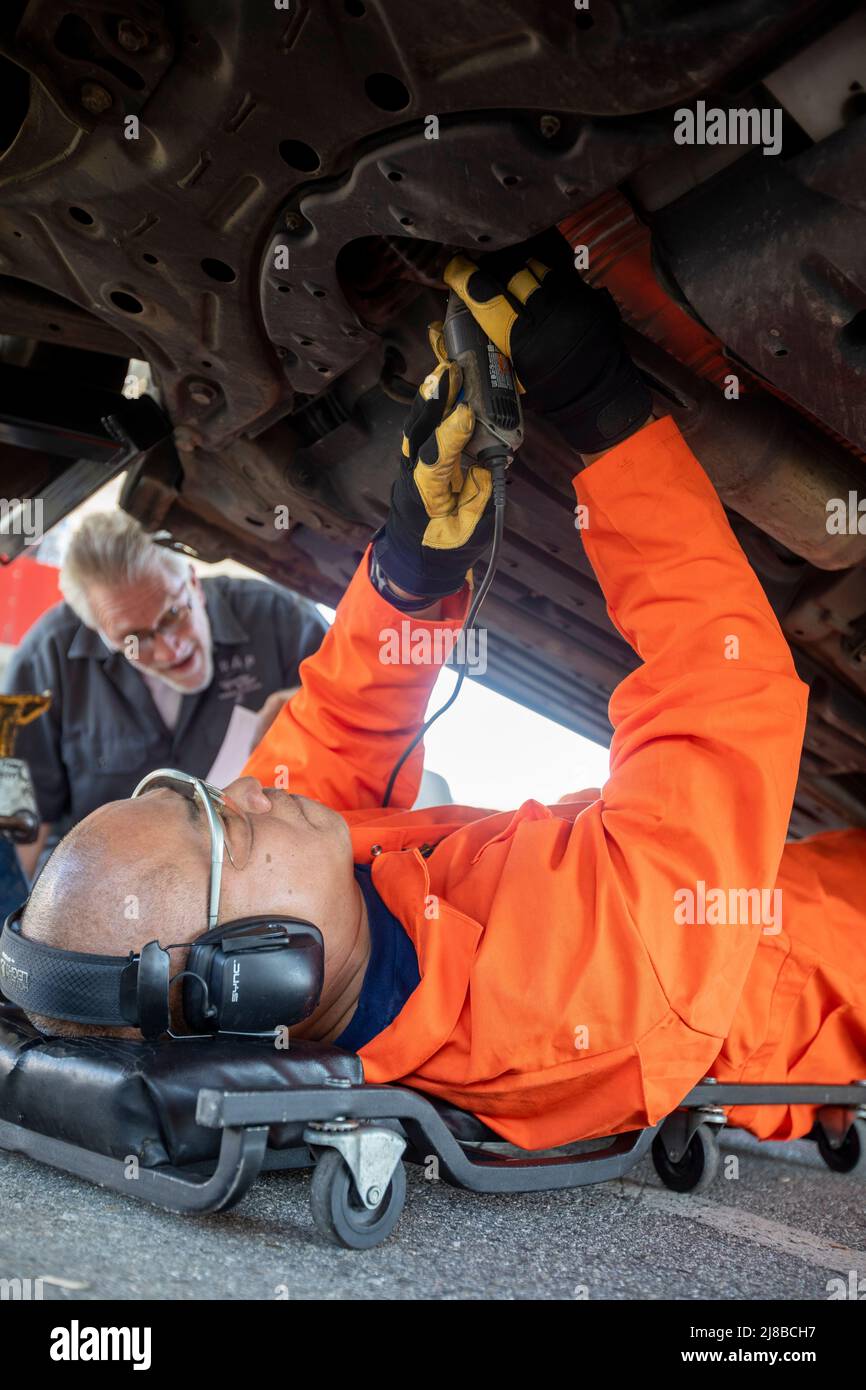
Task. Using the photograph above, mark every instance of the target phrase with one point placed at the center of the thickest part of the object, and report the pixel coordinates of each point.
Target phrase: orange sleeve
(708, 730)
(592, 1008)
(362, 699)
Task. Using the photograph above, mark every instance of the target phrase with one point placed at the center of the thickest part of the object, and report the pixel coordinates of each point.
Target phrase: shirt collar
(88, 644)
(225, 630)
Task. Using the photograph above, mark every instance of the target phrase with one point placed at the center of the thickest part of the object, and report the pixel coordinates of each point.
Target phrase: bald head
(124, 876)
(139, 871)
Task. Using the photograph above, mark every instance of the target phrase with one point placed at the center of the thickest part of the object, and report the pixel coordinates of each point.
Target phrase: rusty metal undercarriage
(248, 198)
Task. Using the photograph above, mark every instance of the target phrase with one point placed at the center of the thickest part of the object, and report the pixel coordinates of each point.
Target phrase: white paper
(236, 747)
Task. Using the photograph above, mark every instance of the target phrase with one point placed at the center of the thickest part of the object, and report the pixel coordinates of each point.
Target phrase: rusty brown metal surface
(307, 132)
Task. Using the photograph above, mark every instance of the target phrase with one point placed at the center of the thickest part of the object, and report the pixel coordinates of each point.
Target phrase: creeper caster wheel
(697, 1167)
(338, 1211)
(850, 1156)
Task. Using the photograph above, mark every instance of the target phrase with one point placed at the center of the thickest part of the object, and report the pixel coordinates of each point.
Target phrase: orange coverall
(559, 999)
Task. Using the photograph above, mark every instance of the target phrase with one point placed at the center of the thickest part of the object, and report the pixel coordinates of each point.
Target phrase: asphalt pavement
(783, 1228)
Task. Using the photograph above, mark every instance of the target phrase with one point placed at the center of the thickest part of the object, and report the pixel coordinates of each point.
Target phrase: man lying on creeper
(532, 966)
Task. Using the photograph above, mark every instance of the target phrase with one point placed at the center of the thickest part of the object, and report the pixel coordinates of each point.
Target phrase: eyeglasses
(230, 828)
(172, 619)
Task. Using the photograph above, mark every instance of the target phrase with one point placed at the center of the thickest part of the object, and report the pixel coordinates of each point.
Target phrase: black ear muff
(152, 990)
(253, 975)
(249, 976)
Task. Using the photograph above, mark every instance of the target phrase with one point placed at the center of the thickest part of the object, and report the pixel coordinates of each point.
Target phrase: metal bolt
(549, 126)
(131, 36)
(185, 439)
(202, 392)
(294, 221)
(95, 98)
(373, 1196)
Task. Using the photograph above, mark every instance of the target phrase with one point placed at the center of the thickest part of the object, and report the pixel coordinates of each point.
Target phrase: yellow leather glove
(563, 337)
(441, 521)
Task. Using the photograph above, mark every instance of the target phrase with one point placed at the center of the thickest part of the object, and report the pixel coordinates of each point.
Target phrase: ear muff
(154, 969)
(253, 975)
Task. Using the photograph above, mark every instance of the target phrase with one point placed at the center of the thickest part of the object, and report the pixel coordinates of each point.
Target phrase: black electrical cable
(497, 468)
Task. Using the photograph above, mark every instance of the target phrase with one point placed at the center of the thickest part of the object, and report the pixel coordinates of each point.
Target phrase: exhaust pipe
(768, 462)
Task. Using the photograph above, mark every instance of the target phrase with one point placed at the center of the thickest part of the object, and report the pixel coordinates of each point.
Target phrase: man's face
(160, 624)
(139, 870)
(299, 849)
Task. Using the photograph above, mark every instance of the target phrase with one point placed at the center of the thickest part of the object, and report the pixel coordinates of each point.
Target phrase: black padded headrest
(121, 1098)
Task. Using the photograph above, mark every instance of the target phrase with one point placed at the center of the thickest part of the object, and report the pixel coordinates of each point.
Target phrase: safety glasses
(230, 828)
(174, 618)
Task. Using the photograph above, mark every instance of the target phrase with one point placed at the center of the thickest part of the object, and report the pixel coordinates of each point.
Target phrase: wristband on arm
(379, 580)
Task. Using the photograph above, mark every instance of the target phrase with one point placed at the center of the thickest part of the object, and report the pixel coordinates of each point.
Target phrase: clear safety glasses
(231, 830)
(175, 617)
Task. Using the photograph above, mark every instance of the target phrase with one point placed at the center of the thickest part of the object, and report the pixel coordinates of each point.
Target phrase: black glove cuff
(580, 350)
(379, 578)
(608, 414)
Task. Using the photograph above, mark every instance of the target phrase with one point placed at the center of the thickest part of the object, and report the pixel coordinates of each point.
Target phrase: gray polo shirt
(103, 731)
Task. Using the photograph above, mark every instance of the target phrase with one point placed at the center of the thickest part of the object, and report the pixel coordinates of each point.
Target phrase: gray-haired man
(149, 666)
